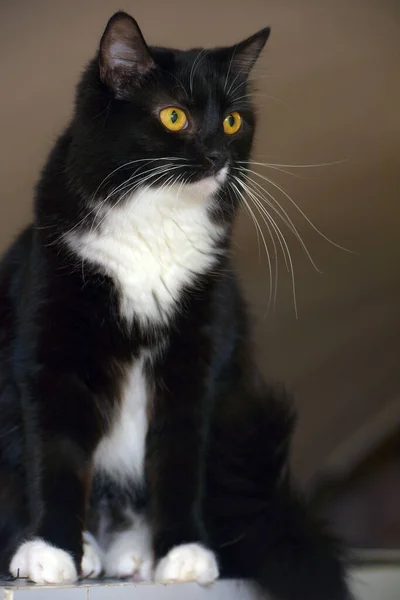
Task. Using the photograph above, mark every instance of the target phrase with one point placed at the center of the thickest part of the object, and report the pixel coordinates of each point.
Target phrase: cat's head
(155, 116)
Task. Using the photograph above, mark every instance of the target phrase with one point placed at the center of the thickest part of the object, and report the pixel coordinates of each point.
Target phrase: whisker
(193, 67)
(258, 226)
(88, 214)
(229, 93)
(253, 195)
(257, 233)
(269, 166)
(253, 95)
(283, 191)
(230, 66)
(126, 184)
(247, 82)
(284, 246)
(295, 166)
(264, 215)
(205, 53)
(180, 84)
(241, 84)
(129, 164)
(133, 188)
(285, 217)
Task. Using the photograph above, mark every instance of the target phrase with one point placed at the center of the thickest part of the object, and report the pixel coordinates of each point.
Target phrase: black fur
(219, 436)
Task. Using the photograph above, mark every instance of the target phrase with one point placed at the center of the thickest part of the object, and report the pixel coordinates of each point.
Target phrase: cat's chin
(209, 185)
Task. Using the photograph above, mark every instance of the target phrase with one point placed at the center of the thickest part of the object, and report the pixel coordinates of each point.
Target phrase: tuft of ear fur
(245, 53)
(123, 54)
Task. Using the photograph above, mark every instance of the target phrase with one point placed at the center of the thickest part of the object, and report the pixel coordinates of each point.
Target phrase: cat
(137, 437)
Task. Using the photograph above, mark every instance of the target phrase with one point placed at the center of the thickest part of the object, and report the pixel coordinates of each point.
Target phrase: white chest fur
(121, 453)
(153, 246)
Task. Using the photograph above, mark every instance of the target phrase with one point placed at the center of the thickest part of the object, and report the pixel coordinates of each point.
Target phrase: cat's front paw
(130, 565)
(130, 554)
(91, 565)
(42, 563)
(188, 562)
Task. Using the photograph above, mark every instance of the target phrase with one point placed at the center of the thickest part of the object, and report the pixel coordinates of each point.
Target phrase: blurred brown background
(329, 91)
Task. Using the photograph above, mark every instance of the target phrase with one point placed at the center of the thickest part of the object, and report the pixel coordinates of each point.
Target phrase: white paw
(91, 565)
(42, 563)
(189, 562)
(130, 565)
(130, 553)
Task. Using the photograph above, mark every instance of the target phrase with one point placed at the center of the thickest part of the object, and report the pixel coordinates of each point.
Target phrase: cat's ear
(123, 54)
(245, 54)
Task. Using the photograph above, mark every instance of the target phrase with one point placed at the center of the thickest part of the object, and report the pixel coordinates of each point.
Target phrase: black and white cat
(130, 404)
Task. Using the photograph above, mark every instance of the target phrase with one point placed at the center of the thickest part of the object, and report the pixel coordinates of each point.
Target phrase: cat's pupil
(174, 116)
(231, 120)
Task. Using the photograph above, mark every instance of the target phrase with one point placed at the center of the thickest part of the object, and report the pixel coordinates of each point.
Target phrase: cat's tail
(262, 528)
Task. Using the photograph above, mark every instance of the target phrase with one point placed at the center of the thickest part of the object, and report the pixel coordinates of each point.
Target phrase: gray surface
(369, 583)
(229, 590)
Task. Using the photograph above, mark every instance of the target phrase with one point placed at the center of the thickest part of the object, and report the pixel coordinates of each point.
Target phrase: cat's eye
(232, 123)
(173, 118)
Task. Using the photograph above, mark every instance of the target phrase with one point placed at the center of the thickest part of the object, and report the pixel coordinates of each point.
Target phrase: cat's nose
(215, 160)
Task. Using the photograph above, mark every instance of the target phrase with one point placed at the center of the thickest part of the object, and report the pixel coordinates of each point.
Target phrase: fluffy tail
(260, 526)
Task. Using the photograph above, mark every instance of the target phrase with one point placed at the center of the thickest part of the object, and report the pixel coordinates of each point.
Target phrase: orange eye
(173, 118)
(232, 123)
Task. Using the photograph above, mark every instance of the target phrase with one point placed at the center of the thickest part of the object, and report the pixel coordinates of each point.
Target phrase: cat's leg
(176, 444)
(57, 554)
(16, 501)
(63, 411)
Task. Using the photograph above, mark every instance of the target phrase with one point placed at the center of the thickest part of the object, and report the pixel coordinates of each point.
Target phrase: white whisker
(180, 84)
(230, 66)
(129, 164)
(144, 176)
(258, 226)
(265, 217)
(253, 95)
(136, 186)
(283, 191)
(284, 217)
(95, 208)
(295, 166)
(283, 244)
(192, 70)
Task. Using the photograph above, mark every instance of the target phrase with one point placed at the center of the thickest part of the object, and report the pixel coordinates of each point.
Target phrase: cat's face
(163, 117)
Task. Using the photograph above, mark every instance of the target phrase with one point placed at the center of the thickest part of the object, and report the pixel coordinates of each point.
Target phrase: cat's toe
(91, 566)
(42, 563)
(189, 562)
(130, 554)
(145, 572)
(130, 564)
(122, 566)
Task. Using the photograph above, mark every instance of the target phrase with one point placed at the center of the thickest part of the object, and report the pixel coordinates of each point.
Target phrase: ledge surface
(367, 583)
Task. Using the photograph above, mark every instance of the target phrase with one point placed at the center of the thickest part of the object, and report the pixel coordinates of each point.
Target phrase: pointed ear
(124, 54)
(245, 54)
